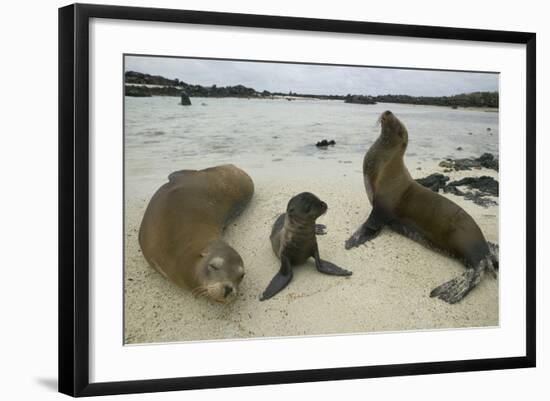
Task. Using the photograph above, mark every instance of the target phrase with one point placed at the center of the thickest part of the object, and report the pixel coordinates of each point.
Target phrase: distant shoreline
(308, 99)
(144, 85)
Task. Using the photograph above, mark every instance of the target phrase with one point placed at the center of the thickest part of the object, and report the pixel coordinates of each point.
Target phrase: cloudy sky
(314, 79)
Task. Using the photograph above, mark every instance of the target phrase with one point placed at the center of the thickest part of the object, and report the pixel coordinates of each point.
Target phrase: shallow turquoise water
(162, 136)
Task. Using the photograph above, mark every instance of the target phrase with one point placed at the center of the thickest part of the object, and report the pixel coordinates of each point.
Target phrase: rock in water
(324, 143)
(185, 101)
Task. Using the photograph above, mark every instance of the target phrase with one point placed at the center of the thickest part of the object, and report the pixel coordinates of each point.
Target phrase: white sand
(392, 275)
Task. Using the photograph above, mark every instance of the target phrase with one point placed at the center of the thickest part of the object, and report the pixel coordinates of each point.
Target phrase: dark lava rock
(185, 101)
(453, 190)
(478, 199)
(136, 91)
(324, 143)
(434, 181)
(487, 185)
(486, 160)
(145, 91)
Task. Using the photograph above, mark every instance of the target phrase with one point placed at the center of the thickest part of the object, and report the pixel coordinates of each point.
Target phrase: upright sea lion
(293, 240)
(415, 211)
(180, 234)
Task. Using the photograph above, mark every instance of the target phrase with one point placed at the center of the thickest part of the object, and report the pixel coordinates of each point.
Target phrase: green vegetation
(474, 99)
(360, 99)
(132, 77)
(174, 87)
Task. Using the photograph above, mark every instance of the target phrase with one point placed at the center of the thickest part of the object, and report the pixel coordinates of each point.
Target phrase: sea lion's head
(393, 131)
(305, 207)
(219, 272)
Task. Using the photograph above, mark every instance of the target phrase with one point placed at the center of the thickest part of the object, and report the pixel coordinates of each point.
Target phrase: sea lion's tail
(493, 249)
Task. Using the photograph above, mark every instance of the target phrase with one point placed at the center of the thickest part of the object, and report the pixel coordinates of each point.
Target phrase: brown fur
(180, 234)
(413, 210)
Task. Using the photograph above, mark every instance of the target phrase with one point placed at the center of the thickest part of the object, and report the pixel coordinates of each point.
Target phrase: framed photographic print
(250, 199)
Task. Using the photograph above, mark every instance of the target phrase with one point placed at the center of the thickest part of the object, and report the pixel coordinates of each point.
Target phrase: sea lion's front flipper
(177, 174)
(457, 288)
(280, 281)
(369, 229)
(332, 269)
(327, 267)
(320, 229)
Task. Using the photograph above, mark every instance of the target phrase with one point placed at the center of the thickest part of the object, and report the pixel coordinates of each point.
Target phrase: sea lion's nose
(227, 290)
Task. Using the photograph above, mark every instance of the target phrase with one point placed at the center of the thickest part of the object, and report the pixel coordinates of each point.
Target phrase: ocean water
(162, 136)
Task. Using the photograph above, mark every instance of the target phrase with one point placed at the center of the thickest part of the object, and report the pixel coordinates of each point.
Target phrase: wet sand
(388, 291)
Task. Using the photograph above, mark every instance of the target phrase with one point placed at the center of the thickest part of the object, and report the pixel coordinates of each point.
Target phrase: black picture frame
(74, 198)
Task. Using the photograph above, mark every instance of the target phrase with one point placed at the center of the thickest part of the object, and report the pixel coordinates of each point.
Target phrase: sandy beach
(388, 291)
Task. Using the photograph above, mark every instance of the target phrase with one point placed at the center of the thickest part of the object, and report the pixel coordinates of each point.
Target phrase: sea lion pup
(180, 234)
(293, 240)
(415, 211)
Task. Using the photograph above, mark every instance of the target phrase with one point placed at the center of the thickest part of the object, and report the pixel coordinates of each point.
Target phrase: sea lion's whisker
(204, 291)
(199, 292)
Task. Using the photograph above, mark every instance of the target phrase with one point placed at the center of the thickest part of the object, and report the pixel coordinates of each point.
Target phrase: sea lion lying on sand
(180, 234)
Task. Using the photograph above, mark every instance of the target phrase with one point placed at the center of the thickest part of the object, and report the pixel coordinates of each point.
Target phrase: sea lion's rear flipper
(280, 281)
(369, 229)
(493, 249)
(457, 288)
(173, 176)
(320, 229)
